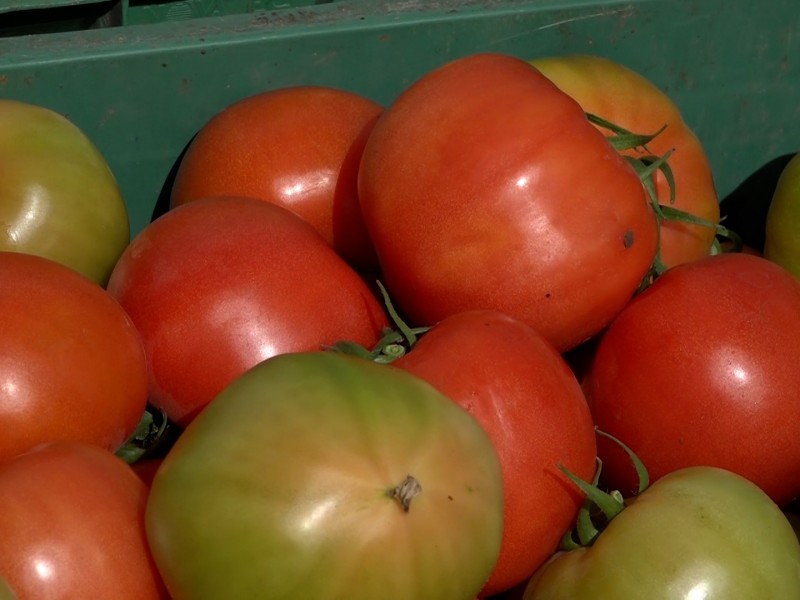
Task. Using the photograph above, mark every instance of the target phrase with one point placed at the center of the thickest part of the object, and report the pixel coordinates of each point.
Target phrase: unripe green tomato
(58, 196)
(6, 593)
(782, 236)
(698, 533)
(294, 484)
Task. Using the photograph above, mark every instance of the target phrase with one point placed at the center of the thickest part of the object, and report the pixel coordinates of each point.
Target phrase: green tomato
(699, 533)
(6, 593)
(782, 235)
(58, 196)
(324, 476)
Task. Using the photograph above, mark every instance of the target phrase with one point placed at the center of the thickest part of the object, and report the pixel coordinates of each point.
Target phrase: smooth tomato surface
(700, 532)
(282, 486)
(72, 364)
(298, 147)
(701, 369)
(58, 196)
(618, 94)
(782, 234)
(484, 186)
(217, 285)
(520, 389)
(72, 525)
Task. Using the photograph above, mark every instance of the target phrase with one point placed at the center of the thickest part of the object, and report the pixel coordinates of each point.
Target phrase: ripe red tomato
(522, 392)
(217, 285)
(72, 525)
(701, 369)
(298, 147)
(484, 186)
(72, 364)
(618, 94)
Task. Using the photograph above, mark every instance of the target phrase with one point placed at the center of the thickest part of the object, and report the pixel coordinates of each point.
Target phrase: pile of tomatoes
(488, 341)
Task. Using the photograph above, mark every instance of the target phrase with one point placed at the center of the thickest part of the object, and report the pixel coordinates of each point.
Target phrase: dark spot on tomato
(547, 295)
(627, 239)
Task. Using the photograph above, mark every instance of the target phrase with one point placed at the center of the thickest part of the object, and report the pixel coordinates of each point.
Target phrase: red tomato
(620, 95)
(701, 369)
(72, 525)
(522, 392)
(72, 365)
(146, 469)
(484, 186)
(217, 285)
(298, 147)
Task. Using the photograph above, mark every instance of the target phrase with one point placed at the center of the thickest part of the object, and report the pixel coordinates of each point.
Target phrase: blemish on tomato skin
(627, 238)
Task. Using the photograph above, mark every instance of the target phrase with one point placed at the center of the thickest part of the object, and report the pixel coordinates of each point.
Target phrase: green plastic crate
(154, 11)
(141, 91)
(25, 17)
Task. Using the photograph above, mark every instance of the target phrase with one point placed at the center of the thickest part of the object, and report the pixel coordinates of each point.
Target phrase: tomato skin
(58, 196)
(484, 186)
(700, 532)
(217, 285)
(6, 593)
(147, 468)
(618, 94)
(522, 392)
(701, 369)
(298, 147)
(72, 364)
(72, 524)
(781, 237)
(281, 484)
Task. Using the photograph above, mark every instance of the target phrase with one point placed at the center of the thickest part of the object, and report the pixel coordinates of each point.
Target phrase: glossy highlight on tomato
(325, 476)
(218, 285)
(72, 525)
(520, 389)
(58, 196)
(699, 532)
(484, 186)
(298, 147)
(701, 369)
(72, 363)
(618, 94)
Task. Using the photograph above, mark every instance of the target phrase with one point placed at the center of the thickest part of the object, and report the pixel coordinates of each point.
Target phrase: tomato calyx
(405, 492)
(600, 507)
(152, 437)
(394, 343)
(646, 166)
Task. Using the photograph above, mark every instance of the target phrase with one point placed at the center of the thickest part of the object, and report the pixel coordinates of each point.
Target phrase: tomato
(298, 147)
(699, 532)
(701, 369)
(147, 468)
(72, 525)
(782, 236)
(522, 392)
(72, 364)
(217, 285)
(301, 478)
(6, 593)
(618, 94)
(484, 186)
(58, 196)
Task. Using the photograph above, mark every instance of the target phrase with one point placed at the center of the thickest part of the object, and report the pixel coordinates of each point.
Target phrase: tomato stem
(405, 492)
(153, 435)
(610, 503)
